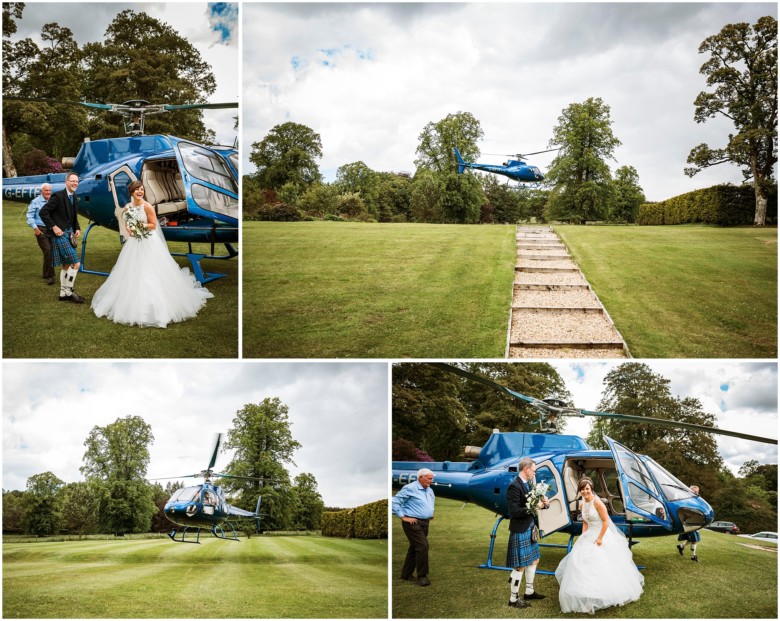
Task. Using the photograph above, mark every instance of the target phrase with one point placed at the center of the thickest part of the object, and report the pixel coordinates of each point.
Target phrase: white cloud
(514, 66)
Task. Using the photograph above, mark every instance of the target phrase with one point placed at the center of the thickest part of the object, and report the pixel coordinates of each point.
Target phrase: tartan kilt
(521, 551)
(693, 536)
(62, 253)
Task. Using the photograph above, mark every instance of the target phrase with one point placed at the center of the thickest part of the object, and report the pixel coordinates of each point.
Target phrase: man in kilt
(692, 537)
(60, 216)
(522, 553)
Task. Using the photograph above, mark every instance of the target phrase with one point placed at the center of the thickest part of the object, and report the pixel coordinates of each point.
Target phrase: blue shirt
(413, 500)
(33, 216)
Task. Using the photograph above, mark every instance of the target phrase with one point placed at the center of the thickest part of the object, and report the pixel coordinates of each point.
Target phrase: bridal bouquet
(133, 223)
(538, 492)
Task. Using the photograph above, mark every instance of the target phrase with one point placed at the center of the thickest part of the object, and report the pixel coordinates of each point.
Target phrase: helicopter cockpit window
(207, 166)
(185, 494)
(545, 475)
(214, 201)
(672, 487)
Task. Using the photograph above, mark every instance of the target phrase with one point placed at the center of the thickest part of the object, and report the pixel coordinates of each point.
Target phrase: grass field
(327, 289)
(732, 580)
(37, 325)
(334, 289)
(684, 291)
(263, 577)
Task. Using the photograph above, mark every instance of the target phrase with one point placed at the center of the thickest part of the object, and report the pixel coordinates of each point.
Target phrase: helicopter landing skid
(221, 534)
(488, 564)
(194, 258)
(183, 534)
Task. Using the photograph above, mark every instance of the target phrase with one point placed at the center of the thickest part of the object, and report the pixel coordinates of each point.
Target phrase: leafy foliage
(42, 504)
(288, 154)
(742, 70)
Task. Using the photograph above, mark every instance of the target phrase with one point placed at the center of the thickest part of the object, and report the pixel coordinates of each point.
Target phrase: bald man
(39, 229)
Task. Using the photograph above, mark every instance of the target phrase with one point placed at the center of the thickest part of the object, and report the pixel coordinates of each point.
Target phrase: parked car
(724, 527)
(765, 536)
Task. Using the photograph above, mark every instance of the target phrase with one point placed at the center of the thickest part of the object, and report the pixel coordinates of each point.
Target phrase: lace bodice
(140, 212)
(590, 514)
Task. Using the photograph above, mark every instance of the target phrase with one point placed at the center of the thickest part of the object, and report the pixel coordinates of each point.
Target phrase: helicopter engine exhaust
(472, 452)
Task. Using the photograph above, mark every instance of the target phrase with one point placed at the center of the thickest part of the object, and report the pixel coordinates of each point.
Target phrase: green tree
(742, 69)
(319, 200)
(43, 505)
(144, 58)
(437, 140)
(426, 202)
(309, 502)
(634, 389)
(628, 195)
(579, 174)
(288, 154)
(263, 443)
(507, 201)
(116, 461)
(11, 12)
(357, 178)
(80, 507)
(463, 197)
(13, 511)
(393, 197)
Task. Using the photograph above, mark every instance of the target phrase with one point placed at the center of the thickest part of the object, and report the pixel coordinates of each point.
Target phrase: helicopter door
(119, 181)
(556, 516)
(642, 498)
(209, 183)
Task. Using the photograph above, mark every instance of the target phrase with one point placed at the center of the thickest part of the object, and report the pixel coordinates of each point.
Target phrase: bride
(146, 286)
(599, 572)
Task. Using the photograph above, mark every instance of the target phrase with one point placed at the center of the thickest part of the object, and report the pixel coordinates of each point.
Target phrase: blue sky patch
(223, 19)
(724, 387)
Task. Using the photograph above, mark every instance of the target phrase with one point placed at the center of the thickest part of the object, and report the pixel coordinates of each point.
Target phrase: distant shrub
(365, 522)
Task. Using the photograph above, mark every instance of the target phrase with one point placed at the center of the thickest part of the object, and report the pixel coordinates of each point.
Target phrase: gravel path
(559, 323)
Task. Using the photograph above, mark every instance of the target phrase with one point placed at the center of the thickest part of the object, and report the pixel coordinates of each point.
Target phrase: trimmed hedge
(725, 205)
(365, 522)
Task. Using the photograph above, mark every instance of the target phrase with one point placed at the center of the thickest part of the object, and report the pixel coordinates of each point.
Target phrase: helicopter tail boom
(461, 163)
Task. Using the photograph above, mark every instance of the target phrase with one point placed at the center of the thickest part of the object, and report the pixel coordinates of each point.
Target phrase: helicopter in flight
(514, 169)
(643, 499)
(192, 187)
(204, 506)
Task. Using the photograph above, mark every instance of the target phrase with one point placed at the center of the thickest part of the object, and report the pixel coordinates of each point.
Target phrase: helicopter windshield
(185, 494)
(671, 486)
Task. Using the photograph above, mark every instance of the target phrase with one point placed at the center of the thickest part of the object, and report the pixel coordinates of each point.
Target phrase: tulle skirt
(592, 577)
(147, 287)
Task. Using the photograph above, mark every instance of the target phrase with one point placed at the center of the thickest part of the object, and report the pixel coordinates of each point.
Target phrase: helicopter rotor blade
(184, 476)
(216, 451)
(569, 411)
(487, 382)
(86, 104)
(671, 423)
(233, 476)
(204, 106)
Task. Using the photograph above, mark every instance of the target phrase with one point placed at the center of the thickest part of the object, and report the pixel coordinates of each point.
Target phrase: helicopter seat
(162, 191)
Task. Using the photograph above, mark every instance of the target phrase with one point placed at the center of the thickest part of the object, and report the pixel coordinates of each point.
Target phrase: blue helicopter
(193, 188)
(514, 169)
(204, 506)
(643, 499)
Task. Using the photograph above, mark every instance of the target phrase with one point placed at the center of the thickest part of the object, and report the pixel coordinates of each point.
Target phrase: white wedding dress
(592, 577)
(146, 286)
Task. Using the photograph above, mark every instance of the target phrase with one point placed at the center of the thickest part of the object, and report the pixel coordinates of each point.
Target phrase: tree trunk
(9, 170)
(761, 203)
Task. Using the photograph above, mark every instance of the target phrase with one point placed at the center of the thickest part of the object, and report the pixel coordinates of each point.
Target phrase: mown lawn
(684, 291)
(357, 290)
(37, 325)
(734, 578)
(331, 289)
(263, 577)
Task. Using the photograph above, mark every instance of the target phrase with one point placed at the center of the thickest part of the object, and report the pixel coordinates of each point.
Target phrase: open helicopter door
(209, 184)
(119, 181)
(556, 516)
(642, 499)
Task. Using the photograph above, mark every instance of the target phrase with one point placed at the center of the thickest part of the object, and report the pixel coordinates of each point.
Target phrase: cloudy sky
(211, 28)
(742, 396)
(369, 77)
(338, 411)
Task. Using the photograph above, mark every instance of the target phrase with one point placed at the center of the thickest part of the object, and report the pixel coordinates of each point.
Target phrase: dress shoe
(534, 595)
(518, 603)
(695, 559)
(680, 549)
(74, 297)
(423, 581)
(409, 578)
(50, 280)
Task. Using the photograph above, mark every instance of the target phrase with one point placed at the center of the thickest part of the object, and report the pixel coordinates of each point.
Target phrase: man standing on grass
(522, 553)
(692, 537)
(414, 505)
(39, 229)
(60, 216)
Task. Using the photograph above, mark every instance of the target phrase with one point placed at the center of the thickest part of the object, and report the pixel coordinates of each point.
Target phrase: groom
(522, 553)
(60, 216)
